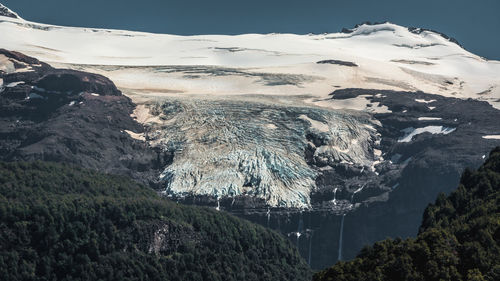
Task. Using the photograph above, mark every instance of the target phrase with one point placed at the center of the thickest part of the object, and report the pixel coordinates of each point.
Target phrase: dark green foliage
(66, 223)
(459, 238)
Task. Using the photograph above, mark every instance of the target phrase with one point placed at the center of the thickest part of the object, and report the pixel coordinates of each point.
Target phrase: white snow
(6, 65)
(377, 50)
(320, 126)
(137, 136)
(492, 137)
(424, 101)
(13, 84)
(411, 132)
(429, 118)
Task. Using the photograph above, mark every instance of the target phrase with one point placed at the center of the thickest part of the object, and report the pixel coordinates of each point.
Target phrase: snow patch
(13, 84)
(429, 118)
(411, 132)
(137, 136)
(320, 126)
(424, 101)
(271, 126)
(492, 137)
(6, 65)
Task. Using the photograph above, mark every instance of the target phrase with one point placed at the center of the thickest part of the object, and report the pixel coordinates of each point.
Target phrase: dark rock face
(167, 238)
(70, 116)
(393, 199)
(419, 170)
(338, 62)
(6, 12)
(432, 162)
(417, 30)
(351, 30)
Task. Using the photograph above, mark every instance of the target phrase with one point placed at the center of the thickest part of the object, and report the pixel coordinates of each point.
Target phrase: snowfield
(387, 56)
(411, 132)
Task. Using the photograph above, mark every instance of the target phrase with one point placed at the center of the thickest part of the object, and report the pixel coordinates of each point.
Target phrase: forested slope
(66, 223)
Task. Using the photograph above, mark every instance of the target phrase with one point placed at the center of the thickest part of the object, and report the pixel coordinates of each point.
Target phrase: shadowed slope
(459, 238)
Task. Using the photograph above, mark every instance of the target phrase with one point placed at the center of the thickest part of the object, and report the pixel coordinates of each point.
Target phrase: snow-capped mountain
(293, 131)
(383, 56)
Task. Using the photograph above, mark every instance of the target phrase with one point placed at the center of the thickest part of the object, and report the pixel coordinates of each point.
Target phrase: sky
(475, 24)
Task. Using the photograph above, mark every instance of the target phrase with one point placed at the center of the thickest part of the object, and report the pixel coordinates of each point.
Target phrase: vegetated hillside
(458, 240)
(66, 223)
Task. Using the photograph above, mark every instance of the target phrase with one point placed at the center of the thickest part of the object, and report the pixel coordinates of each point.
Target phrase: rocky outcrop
(70, 116)
(168, 237)
(6, 12)
(337, 62)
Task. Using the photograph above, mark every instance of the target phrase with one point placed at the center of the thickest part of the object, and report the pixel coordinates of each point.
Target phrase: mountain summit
(6, 12)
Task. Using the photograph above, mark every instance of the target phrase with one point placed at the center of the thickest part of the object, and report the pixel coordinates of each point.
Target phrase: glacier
(251, 114)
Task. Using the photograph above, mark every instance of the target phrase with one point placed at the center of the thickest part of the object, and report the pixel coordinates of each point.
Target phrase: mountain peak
(6, 12)
(386, 25)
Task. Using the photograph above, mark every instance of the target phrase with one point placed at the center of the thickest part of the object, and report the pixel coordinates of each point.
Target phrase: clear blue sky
(474, 23)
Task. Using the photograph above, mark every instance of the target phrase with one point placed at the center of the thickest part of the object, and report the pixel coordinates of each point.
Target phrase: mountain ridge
(6, 12)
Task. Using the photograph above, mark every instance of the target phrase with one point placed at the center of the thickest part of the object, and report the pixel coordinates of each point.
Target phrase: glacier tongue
(226, 147)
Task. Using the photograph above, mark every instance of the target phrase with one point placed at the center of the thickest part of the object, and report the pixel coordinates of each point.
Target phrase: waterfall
(299, 228)
(218, 205)
(335, 196)
(341, 237)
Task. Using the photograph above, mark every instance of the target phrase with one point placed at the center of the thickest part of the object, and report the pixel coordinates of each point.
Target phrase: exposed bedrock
(70, 116)
(6, 12)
